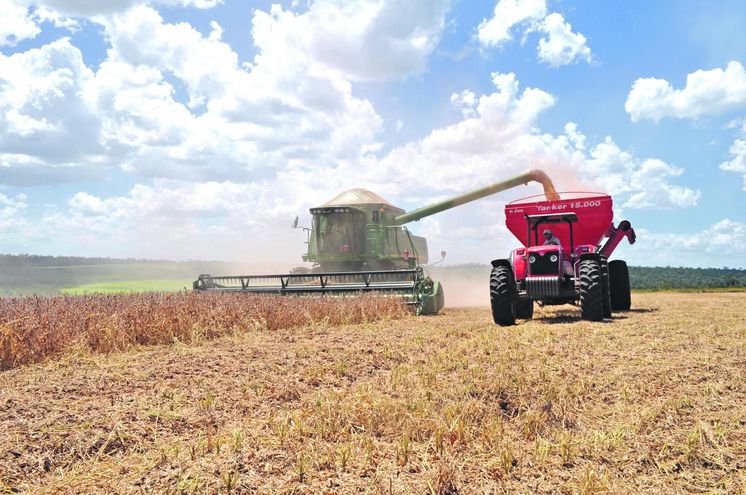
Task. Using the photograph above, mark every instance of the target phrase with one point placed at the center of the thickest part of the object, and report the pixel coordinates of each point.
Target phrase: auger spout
(534, 175)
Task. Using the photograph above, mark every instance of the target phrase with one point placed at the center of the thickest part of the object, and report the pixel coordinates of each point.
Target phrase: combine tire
(619, 283)
(502, 295)
(591, 293)
(524, 309)
(605, 287)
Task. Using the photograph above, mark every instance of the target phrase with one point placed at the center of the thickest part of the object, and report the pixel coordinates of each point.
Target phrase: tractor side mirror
(443, 254)
(295, 223)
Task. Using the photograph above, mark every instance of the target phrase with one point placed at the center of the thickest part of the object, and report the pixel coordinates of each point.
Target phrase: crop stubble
(651, 402)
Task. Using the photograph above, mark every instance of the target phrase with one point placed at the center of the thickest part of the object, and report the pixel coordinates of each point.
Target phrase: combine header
(357, 242)
(564, 259)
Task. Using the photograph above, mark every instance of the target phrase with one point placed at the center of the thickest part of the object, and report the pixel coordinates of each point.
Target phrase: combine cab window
(342, 232)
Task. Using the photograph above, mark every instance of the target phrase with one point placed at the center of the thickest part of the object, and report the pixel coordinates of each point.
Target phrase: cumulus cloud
(559, 46)
(16, 23)
(717, 245)
(737, 150)
(286, 108)
(46, 127)
(86, 8)
(209, 219)
(640, 183)
(11, 213)
(507, 14)
(707, 92)
(360, 39)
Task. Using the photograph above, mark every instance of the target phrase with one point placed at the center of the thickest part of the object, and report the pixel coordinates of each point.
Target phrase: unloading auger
(357, 242)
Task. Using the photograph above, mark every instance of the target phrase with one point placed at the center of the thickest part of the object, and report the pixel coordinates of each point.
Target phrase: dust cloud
(464, 285)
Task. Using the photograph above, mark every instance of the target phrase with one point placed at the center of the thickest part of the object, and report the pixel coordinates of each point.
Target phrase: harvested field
(36, 328)
(652, 402)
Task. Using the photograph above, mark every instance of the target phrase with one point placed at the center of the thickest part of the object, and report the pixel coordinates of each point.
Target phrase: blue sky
(199, 128)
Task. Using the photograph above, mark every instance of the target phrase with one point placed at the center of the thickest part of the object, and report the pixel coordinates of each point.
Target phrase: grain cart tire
(524, 309)
(591, 294)
(502, 295)
(621, 300)
(605, 287)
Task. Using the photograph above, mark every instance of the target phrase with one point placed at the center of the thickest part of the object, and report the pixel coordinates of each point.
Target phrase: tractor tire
(621, 299)
(591, 293)
(502, 296)
(524, 309)
(606, 286)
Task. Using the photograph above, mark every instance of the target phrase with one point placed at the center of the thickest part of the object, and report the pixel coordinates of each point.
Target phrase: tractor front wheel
(591, 291)
(502, 295)
(621, 300)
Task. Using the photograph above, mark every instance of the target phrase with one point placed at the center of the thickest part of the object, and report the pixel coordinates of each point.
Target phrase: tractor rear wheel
(524, 309)
(502, 295)
(605, 286)
(591, 294)
(621, 300)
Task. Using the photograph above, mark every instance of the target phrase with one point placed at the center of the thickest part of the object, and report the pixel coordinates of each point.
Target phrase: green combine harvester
(358, 242)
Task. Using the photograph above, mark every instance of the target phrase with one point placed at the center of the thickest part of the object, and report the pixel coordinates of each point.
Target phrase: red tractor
(564, 258)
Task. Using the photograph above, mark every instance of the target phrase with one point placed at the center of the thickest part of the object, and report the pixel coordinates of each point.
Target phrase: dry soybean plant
(36, 328)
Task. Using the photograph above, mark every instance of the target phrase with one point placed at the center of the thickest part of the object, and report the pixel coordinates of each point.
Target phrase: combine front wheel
(620, 289)
(591, 294)
(502, 295)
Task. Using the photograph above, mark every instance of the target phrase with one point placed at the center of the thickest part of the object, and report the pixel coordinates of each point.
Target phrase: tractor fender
(590, 256)
(501, 262)
(583, 257)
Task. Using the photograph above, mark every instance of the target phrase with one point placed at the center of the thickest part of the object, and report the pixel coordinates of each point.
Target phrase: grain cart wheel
(605, 287)
(524, 309)
(502, 295)
(621, 299)
(591, 295)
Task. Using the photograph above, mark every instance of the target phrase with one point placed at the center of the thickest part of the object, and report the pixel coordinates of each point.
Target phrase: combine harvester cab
(575, 270)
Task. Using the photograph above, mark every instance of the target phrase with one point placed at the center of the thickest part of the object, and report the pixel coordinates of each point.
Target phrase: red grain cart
(564, 258)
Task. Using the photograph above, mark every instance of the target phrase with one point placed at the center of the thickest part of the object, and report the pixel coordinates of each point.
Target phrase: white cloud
(496, 31)
(737, 150)
(707, 92)
(359, 39)
(86, 8)
(721, 244)
(16, 23)
(639, 183)
(12, 213)
(562, 46)
(46, 128)
(286, 109)
(209, 220)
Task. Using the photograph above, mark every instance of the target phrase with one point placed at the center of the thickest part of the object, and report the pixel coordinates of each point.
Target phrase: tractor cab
(550, 259)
